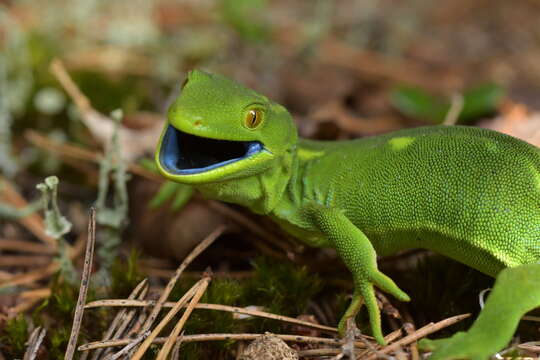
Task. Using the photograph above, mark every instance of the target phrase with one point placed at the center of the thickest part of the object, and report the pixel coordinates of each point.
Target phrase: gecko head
(219, 130)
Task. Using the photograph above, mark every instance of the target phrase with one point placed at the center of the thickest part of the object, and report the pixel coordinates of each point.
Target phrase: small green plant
(283, 287)
(220, 291)
(15, 335)
(59, 337)
(125, 275)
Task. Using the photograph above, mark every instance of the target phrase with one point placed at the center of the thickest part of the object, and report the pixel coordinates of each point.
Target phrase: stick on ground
(183, 300)
(83, 290)
(167, 347)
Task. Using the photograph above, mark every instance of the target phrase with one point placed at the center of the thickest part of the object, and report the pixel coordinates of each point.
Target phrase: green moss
(152, 352)
(125, 275)
(220, 291)
(59, 337)
(281, 287)
(56, 315)
(191, 351)
(15, 334)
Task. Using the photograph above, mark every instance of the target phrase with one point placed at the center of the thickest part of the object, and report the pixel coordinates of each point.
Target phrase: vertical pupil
(253, 118)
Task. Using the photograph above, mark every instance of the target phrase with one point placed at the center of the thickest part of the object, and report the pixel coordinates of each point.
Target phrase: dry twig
(167, 347)
(409, 328)
(456, 107)
(85, 282)
(219, 307)
(26, 247)
(182, 302)
(24, 260)
(418, 334)
(36, 338)
(221, 337)
(133, 143)
(130, 346)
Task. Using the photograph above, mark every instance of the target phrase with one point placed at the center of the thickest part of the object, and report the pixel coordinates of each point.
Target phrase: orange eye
(253, 118)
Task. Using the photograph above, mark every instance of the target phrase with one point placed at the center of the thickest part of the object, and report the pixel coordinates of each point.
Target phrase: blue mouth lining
(185, 154)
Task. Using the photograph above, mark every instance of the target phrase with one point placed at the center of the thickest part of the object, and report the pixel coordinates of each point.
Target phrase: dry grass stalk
(130, 346)
(36, 338)
(41, 273)
(59, 71)
(122, 319)
(133, 143)
(175, 355)
(409, 328)
(85, 282)
(30, 276)
(26, 247)
(124, 325)
(218, 307)
(36, 294)
(139, 322)
(533, 346)
(456, 106)
(170, 315)
(24, 260)
(222, 337)
(167, 347)
(5, 275)
(418, 334)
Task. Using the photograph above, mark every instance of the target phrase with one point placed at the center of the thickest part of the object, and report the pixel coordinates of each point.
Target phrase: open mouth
(183, 154)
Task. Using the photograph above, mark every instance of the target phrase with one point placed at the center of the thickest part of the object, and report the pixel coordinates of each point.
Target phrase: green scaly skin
(468, 193)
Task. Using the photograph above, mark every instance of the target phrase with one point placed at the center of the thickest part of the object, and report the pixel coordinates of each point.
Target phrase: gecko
(468, 193)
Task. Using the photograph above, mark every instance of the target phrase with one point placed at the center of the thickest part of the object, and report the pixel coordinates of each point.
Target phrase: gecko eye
(253, 119)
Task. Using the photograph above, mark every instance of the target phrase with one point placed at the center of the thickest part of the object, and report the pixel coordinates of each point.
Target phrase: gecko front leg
(358, 254)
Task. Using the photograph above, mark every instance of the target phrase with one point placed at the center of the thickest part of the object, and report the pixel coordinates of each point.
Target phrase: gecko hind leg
(516, 291)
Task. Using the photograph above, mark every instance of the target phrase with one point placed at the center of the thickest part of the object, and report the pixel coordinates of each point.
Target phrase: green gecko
(468, 193)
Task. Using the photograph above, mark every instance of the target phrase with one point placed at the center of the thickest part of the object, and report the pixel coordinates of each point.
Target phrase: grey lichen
(57, 225)
(113, 218)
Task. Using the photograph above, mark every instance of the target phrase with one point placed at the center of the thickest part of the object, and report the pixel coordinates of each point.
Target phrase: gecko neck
(260, 192)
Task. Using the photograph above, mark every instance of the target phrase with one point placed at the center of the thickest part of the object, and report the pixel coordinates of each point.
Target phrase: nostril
(197, 123)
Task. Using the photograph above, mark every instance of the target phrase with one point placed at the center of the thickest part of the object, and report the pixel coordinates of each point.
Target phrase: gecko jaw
(186, 154)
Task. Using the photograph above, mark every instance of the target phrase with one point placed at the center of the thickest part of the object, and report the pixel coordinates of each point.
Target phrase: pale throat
(261, 193)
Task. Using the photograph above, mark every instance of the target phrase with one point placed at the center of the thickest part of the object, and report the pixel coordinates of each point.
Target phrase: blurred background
(85, 84)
